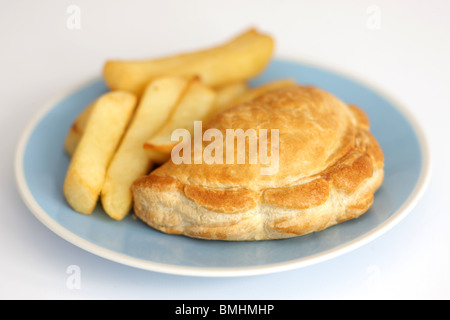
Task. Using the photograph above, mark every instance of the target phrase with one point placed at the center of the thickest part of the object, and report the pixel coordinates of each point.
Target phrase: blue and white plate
(41, 165)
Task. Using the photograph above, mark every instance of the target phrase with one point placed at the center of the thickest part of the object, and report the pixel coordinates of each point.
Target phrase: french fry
(131, 161)
(105, 127)
(76, 131)
(259, 90)
(239, 59)
(226, 96)
(195, 105)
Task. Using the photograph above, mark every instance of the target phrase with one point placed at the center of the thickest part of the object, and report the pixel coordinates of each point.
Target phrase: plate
(41, 164)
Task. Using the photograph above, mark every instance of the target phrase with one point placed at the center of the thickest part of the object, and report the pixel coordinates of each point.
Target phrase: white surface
(408, 57)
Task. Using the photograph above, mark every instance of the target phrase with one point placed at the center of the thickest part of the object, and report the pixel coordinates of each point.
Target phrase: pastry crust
(330, 166)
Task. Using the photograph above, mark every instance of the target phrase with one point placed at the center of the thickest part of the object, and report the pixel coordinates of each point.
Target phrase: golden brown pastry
(329, 168)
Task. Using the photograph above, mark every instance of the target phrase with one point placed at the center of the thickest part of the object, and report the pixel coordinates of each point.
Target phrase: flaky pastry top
(315, 130)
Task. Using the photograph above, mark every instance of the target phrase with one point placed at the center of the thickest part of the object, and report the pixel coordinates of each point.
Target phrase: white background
(408, 57)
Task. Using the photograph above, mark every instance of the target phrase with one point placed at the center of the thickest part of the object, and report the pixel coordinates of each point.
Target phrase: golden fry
(131, 161)
(226, 96)
(104, 129)
(237, 60)
(195, 105)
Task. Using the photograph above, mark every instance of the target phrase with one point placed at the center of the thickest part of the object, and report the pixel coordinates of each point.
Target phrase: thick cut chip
(239, 59)
(131, 161)
(106, 125)
(196, 104)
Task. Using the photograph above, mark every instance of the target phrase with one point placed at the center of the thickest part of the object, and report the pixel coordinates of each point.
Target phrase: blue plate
(41, 164)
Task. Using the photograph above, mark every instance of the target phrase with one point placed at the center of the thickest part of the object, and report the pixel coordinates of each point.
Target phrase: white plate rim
(74, 239)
